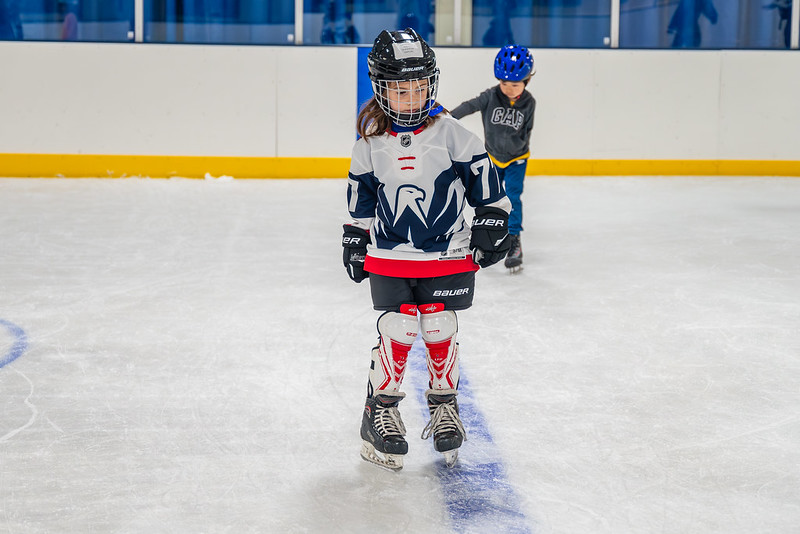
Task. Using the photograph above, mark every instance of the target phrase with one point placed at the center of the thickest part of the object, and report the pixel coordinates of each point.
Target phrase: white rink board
(760, 107)
(196, 100)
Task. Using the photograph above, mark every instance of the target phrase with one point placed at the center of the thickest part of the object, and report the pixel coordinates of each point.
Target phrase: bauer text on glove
(355, 241)
(489, 242)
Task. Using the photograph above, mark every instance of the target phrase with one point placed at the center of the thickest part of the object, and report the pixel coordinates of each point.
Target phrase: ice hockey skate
(445, 425)
(382, 432)
(514, 258)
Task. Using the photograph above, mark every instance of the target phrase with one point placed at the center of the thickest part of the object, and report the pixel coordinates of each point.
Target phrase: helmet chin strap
(411, 119)
(406, 118)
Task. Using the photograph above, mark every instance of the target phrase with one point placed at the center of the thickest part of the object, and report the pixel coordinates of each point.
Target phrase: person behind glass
(784, 8)
(337, 23)
(10, 22)
(507, 112)
(412, 171)
(685, 22)
(68, 9)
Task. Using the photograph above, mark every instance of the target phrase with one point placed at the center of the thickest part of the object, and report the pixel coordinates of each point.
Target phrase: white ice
(189, 356)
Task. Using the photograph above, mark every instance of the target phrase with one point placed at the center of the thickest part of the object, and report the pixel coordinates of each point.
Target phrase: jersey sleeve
(362, 187)
(471, 162)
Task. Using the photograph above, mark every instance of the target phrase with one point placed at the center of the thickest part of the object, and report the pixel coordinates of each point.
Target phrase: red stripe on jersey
(407, 157)
(406, 168)
(418, 268)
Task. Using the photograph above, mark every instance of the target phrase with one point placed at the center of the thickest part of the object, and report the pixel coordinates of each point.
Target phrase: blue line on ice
(19, 346)
(476, 491)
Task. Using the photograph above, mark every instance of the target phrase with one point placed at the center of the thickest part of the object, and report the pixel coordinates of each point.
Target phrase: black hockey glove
(355, 241)
(489, 242)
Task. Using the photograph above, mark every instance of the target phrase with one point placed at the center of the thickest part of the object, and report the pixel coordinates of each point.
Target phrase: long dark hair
(372, 121)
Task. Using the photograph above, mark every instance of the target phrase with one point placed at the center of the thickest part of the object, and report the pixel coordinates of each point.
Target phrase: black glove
(489, 242)
(355, 242)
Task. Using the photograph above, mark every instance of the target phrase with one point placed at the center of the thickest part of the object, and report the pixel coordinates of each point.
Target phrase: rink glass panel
(709, 24)
(541, 23)
(697, 24)
(219, 21)
(360, 21)
(67, 20)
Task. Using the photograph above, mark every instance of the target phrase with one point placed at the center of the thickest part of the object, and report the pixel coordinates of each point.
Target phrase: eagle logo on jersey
(405, 141)
(409, 197)
(425, 219)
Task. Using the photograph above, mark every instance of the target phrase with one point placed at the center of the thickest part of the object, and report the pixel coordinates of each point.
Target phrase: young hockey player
(507, 112)
(410, 175)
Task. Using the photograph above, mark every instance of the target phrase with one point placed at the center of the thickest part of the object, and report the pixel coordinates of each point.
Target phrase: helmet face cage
(407, 102)
(514, 64)
(404, 76)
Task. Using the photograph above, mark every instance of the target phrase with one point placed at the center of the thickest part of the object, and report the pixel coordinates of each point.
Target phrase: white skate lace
(388, 421)
(444, 419)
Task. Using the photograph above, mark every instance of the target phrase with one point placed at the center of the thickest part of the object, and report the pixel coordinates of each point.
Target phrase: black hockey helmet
(402, 56)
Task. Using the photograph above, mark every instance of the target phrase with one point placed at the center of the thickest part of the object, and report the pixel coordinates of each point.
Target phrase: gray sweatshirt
(507, 128)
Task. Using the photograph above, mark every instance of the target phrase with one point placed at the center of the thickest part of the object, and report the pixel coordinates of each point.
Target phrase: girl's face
(513, 90)
(409, 96)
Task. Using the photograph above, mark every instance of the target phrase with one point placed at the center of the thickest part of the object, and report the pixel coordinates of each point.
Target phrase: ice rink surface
(189, 356)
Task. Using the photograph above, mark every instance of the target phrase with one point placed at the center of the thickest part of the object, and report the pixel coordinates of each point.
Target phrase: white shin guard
(439, 333)
(397, 333)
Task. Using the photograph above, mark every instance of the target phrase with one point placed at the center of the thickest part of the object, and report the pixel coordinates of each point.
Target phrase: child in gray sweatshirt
(507, 111)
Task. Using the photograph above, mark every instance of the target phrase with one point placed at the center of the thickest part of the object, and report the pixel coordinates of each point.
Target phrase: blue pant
(513, 178)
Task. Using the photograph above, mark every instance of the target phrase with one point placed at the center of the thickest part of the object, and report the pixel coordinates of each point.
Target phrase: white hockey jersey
(409, 189)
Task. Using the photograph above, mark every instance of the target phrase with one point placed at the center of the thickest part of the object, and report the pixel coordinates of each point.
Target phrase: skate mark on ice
(30, 405)
(18, 348)
(476, 490)
(19, 345)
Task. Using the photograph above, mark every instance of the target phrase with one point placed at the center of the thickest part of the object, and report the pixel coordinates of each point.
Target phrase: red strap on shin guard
(440, 367)
(394, 363)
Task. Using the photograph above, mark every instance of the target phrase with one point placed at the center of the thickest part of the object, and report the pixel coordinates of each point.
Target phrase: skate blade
(514, 270)
(450, 457)
(392, 462)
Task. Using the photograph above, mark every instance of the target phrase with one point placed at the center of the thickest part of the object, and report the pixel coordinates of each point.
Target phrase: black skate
(514, 258)
(445, 424)
(382, 430)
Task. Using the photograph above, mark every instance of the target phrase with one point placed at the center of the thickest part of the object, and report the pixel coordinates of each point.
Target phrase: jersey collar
(396, 129)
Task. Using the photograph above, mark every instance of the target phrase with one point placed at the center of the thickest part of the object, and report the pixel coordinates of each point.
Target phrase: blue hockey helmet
(514, 63)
